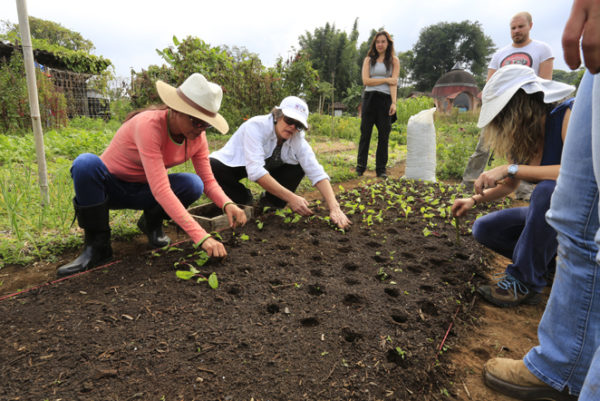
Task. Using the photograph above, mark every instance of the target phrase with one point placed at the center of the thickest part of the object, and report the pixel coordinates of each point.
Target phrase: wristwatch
(512, 170)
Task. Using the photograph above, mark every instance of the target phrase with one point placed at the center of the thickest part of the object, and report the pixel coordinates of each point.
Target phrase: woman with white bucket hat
(525, 124)
(132, 173)
(272, 151)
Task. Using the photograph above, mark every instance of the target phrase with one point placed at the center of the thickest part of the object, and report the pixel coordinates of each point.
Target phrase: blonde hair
(517, 132)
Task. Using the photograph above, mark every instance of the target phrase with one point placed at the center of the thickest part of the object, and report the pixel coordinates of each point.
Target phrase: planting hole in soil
(302, 311)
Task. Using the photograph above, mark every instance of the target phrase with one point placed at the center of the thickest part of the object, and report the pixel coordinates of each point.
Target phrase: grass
(30, 232)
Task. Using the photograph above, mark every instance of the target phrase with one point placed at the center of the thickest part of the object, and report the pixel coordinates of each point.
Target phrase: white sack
(420, 146)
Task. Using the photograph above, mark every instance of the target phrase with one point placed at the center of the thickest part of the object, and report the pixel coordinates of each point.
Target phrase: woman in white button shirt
(271, 150)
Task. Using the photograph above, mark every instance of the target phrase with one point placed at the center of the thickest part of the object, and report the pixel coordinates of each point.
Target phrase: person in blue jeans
(523, 124)
(566, 363)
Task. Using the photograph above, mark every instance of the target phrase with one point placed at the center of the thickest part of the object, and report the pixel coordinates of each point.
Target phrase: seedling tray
(212, 218)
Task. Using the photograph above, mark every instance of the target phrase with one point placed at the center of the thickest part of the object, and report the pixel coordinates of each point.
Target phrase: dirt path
(498, 332)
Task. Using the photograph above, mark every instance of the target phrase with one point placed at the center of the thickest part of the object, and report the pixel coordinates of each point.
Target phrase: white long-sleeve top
(254, 142)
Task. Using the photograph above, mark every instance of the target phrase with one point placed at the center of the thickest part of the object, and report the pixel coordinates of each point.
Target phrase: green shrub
(455, 143)
(14, 102)
(411, 106)
(334, 127)
(119, 108)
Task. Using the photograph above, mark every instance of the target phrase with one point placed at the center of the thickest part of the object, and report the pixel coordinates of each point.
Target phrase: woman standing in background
(380, 76)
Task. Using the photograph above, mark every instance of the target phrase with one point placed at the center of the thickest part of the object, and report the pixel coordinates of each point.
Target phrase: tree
(69, 49)
(406, 60)
(249, 89)
(334, 55)
(52, 32)
(568, 77)
(298, 78)
(442, 45)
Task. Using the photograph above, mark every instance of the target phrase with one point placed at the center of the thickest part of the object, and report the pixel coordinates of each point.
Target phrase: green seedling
(259, 224)
(456, 224)
(194, 273)
(217, 235)
(400, 352)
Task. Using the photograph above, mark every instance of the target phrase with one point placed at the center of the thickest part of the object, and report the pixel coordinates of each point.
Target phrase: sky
(128, 32)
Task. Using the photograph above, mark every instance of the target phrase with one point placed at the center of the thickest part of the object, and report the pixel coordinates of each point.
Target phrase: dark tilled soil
(302, 311)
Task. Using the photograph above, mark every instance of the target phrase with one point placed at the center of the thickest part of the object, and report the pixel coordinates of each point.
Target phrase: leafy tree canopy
(442, 45)
(334, 55)
(568, 77)
(70, 49)
(249, 89)
(57, 34)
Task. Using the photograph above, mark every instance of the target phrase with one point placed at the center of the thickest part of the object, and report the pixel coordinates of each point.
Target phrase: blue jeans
(94, 184)
(569, 332)
(522, 234)
(591, 386)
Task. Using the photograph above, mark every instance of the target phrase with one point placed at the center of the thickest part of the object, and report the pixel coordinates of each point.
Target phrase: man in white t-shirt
(525, 51)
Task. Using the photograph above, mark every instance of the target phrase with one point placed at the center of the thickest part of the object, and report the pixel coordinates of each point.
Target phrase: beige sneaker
(512, 378)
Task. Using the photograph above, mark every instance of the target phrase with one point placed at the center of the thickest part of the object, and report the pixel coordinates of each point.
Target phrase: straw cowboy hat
(507, 81)
(195, 97)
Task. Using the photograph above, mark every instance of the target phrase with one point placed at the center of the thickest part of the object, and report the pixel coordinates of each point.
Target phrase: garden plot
(302, 311)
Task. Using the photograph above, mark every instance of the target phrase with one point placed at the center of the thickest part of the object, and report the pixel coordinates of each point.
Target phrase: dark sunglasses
(290, 121)
(198, 123)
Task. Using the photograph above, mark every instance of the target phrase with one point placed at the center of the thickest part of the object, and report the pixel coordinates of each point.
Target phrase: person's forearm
(537, 173)
(492, 194)
(394, 93)
(324, 187)
(374, 81)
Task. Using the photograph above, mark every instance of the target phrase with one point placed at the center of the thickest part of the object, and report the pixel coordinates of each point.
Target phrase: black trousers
(288, 175)
(375, 111)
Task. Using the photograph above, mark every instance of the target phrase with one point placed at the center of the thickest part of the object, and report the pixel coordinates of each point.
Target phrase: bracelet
(474, 200)
(225, 205)
(199, 243)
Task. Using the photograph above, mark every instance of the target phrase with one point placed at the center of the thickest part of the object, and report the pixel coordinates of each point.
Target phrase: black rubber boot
(151, 224)
(97, 249)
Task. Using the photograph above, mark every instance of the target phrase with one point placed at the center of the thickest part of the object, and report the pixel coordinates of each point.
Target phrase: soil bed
(302, 311)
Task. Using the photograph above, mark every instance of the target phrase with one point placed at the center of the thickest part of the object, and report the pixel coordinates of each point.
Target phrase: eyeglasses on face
(290, 121)
(198, 123)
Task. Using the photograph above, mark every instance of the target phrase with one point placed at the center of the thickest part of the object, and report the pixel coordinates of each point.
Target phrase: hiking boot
(509, 292)
(512, 378)
(383, 176)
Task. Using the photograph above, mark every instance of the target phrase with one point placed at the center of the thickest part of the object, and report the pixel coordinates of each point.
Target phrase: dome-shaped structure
(456, 88)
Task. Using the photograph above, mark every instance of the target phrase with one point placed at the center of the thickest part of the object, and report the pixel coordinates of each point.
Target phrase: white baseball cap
(296, 108)
(507, 81)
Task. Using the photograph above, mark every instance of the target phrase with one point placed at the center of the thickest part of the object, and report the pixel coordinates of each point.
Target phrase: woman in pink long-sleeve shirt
(132, 173)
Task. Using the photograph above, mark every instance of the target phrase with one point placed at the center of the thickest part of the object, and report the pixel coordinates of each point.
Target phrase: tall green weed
(456, 138)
